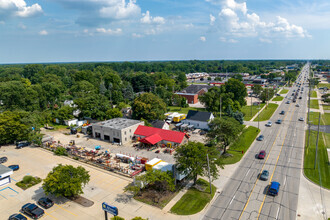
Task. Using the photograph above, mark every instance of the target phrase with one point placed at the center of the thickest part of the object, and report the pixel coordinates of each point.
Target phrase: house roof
(152, 139)
(198, 116)
(167, 135)
(158, 124)
(194, 89)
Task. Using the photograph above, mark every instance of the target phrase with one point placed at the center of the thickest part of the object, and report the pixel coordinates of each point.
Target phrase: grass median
(314, 104)
(247, 111)
(319, 175)
(195, 199)
(267, 113)
(284, 91)
(278, 98)
(242, 144)
(313, 95)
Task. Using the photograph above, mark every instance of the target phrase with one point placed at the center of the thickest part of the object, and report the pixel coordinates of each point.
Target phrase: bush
(27, 179)
(61, 151)
(139, 218)
(117, 218)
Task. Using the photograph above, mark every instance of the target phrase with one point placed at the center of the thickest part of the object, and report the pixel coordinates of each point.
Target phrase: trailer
(179, 117)
(150, 164)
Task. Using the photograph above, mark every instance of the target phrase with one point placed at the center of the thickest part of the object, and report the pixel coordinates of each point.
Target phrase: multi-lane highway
(245, 195)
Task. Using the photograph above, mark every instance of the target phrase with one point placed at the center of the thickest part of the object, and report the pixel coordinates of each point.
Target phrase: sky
(41, 31)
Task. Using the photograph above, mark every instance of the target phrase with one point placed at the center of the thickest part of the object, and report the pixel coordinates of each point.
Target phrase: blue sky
(36, 31)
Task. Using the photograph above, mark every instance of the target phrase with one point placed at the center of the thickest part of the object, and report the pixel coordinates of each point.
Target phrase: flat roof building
(116, 130)
(5, 173)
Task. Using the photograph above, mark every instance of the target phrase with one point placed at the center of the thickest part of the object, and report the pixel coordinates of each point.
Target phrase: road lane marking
(66, 210)
(247, 172)
(284, 181)
(270, 180)
(278, 212)
(255, 183)
(232, 200)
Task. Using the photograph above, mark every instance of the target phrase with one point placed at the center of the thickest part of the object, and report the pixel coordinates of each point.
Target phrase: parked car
(45, 202)
(264, 175)
(202, 132)
(17, 217)
(269, 124)
(14, 167)
(274, 188)
(262, 154)
(282, 112)
(301, 119)
(288, 102)
(260, 138)
(32, 210)
(300, 97)
(297, 105)
(3, 160)
(22, 144)
(279, 121)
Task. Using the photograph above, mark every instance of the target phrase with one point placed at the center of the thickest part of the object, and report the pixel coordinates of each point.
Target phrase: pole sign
(110, 209)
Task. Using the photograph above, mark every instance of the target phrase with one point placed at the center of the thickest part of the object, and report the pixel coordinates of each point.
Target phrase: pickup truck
(33, 210)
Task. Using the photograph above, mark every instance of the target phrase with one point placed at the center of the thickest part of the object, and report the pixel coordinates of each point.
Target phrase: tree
(66, 180)
(266, 95)
(191, 158)
(257, 89)
(12, 129)
(239, 116)
(114, 113)
(223, 131)
(149, 107)
(238, 89)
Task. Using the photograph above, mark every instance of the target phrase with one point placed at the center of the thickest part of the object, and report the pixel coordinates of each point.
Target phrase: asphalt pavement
(245, 196)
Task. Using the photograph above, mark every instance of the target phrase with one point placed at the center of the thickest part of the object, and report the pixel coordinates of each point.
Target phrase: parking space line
(3, 196)
(47, 213)
(66, 210)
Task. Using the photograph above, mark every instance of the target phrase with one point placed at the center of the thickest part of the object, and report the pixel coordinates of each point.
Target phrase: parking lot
(103, 186)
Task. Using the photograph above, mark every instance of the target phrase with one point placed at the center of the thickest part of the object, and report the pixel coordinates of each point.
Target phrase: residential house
(160, 124)
(199, 119)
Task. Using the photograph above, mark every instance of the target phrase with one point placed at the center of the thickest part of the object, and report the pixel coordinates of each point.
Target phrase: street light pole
(208, 166)
(317, 140)
(258, 113)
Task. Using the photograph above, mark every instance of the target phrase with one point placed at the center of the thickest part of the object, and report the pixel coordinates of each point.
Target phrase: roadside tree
(191, 158)
(149, 107)
(66, 180)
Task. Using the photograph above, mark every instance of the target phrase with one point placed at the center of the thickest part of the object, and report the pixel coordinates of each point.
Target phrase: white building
(5, 173)
(198, 119)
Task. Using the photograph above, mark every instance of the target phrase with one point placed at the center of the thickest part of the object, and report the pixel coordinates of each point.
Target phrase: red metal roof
(167, 135)
(152, 139)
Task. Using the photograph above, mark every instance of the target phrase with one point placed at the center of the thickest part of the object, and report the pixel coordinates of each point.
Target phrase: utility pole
(309, 106)
(220, 104)
(251, 103)
(258, 113)
(317, 140)
(208, 166)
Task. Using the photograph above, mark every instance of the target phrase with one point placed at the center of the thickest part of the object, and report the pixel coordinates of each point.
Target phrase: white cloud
(135, 35)
(234, 20)
(202, 38)
(147, 19)
(223, 39)
(22, 26)
(188, 26)
(264, 40)
(212, 19)
(86, 31)
(43, 32)
(109, 31)
(119, 9)
(18, 8)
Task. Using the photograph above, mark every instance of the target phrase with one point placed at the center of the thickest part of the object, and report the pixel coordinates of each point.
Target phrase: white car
(301, 119)
(269, 124)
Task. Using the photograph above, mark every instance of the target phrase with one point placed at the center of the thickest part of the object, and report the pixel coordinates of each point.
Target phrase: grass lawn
(324, 85)
(242, 144)
(315, 104)
(267, 113)
(278, 98)
(284, 91)
(313, 95)
(183, 110)
(247, 111)
(194, 200)
(326, 107)
(322, 167)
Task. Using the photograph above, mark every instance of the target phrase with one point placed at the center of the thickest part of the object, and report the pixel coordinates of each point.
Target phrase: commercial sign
(110, 209)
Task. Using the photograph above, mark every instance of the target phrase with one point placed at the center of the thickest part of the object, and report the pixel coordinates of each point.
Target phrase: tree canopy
(148, 106)
(66, 180)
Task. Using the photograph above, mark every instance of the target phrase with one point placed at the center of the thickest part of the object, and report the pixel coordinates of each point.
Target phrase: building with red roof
(152, 136)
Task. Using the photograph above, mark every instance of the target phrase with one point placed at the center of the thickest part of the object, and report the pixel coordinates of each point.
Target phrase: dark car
(3, 160)
(32, 210)
(264, 175)
(17, 217)
(14, 167)
(282, 112)
(300, 97)
(22, 144)
(279, 121)
(260, 138)
(262, 154)
(45, 202)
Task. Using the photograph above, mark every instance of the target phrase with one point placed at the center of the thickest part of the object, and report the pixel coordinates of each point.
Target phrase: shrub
(139, 218)
(61, 151)
(27, 179)
(117, 218)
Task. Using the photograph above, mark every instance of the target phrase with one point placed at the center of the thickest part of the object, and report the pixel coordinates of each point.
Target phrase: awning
(152, 139)
(184, 126)
(190, 126)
